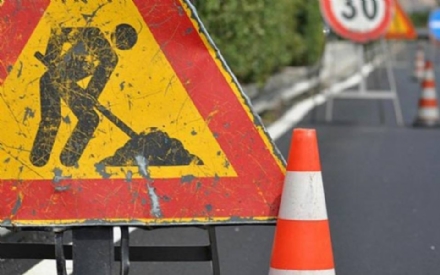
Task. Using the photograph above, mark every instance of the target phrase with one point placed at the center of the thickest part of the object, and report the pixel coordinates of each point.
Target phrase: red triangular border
(18, 20)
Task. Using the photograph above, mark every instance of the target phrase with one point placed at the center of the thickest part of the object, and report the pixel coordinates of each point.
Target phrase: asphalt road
(382, 190)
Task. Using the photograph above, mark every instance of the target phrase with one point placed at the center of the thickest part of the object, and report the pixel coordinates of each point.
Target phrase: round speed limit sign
(358, 20)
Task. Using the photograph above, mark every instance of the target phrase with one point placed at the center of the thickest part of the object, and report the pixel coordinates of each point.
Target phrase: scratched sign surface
(123, 112)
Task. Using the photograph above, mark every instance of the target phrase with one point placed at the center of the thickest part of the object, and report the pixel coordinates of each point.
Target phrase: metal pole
(361, 56)
(214, 251)
(329, 105)
(59, 253)
(93, 251)
(125, 250)
(392, 81)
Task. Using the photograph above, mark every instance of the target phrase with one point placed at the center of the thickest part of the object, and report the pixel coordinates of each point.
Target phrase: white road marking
(301, 109)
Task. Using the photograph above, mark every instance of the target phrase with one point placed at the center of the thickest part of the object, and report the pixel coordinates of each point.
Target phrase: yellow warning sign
(123, 94)
(401, 27)
(125, 113)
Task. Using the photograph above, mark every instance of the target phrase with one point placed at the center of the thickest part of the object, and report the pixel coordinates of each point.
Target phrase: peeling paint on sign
(155, 204)
(124, 112)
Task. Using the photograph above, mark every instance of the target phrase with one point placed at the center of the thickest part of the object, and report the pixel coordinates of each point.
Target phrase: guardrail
(339, 61)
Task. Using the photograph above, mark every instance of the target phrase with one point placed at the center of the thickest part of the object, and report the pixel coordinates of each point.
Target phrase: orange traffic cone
(302, 243)
(428, 114)
(419, 63)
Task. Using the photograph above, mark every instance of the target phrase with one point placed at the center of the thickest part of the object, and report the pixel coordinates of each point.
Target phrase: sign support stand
(363, 92)
(214, 250)
(93, 251)
(392, 83)
(59, 253)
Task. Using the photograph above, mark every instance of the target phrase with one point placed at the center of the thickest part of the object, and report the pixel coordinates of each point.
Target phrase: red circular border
(363, 37)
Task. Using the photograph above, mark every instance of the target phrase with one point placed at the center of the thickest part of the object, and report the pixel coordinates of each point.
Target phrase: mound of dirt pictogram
(158, 148)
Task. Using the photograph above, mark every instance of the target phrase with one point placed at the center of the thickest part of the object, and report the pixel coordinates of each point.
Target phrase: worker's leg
(49, 123)
(83, 108)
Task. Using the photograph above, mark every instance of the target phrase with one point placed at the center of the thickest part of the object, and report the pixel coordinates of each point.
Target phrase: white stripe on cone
(429, 93)
(428, 113)
(429, 75)
(419, 64)
(303, 197)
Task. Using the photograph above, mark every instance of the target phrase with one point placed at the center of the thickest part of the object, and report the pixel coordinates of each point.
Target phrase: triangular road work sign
(124, 112)
(401, 27)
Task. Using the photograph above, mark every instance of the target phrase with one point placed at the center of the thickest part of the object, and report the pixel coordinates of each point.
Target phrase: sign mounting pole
(361, 59)
(93, 251)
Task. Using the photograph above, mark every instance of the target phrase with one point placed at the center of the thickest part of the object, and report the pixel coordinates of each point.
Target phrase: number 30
(352, 12)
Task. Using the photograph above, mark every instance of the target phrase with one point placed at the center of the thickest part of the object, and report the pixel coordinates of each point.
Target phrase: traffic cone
(302, 243)
(419, 64)
(428, 114)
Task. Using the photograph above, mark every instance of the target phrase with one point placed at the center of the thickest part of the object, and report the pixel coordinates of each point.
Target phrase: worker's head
(124, 37)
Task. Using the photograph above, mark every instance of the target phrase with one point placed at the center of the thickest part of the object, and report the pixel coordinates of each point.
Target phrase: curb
(339, 60)
(295, 114)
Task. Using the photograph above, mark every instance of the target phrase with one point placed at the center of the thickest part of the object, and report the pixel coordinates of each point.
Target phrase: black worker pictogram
(72, 55)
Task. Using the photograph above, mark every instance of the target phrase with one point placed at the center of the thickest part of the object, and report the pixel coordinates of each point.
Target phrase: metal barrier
(318, 76)
(293, 83)
(93, 251)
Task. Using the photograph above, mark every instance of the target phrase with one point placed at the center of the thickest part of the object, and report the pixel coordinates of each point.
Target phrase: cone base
(427, 123)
